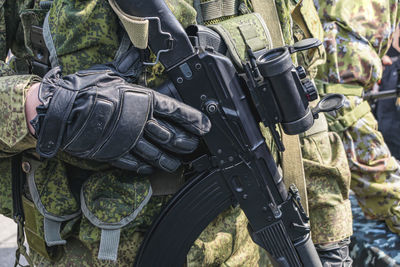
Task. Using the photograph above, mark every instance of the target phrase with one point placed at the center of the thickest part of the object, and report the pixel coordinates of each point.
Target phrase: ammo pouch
(49, 189)
(244, 31)
(110, 200)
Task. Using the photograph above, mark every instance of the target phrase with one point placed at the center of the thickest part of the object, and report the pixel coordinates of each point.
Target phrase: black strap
(18, 179)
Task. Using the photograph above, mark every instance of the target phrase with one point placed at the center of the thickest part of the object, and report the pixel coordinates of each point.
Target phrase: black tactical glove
(95, 114)
(335, 254)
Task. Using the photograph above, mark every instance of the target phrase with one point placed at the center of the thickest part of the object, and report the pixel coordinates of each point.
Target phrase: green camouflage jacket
(357, 34)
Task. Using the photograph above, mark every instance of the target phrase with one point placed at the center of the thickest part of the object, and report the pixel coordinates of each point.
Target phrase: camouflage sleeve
(356, 37)
(14, 136)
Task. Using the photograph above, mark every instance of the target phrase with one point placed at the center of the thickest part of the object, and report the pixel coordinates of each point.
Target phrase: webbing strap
(341, 123)
(109, 243)
(137, 28)
(35, 240)
(250, 35)
(48, 39)
(292, 166)
(215, 9)
(291, 158)
(18, 179)
(21, 249)
(52, 233)
(267, 10)
(338, 88)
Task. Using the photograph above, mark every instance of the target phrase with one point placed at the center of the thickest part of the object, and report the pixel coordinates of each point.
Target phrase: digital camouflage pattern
(372, 244)
(5, 187)
(328, 184)
(12, 97)
(84, 33)
(324, 159)
(83, 237)
(355, 42)
(223, 243)
(52, 186)
(114, 195)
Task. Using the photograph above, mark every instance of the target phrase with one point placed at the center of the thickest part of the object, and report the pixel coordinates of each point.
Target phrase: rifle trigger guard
(169, 41)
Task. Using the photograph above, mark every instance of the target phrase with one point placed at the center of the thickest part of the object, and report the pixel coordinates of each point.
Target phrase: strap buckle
(169, 40)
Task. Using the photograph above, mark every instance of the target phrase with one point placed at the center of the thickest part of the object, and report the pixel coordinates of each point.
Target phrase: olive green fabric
(268, 11)
(357, 34)
(51, 185)
(308, 25)
(136, 28)
(84, 33)
(240, 32)
(325, 165)
(50, 191)
(328, 185)
(111, 200)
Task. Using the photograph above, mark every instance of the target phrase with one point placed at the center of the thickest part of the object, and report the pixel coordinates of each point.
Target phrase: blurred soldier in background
(357, 36)
(388, 110)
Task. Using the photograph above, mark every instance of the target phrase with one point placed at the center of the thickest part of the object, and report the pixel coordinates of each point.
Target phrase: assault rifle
(237, 167)
(391, 72)
(391, 93)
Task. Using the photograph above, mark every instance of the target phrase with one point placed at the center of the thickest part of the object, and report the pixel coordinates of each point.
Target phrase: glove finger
(181, 114)
(170, 137)
(154, 156)
(132, 163)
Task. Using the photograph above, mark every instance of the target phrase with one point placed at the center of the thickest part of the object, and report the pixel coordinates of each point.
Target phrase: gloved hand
(95, 114)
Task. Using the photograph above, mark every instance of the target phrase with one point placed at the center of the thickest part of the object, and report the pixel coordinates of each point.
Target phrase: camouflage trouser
(375, 174)
(225, 242)
(328, 184)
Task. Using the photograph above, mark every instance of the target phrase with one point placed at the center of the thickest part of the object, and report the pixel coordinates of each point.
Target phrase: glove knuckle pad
(147, 150)
(158, 132)
(187, 145)
(95, 123)
(168, 163)
(127, 130)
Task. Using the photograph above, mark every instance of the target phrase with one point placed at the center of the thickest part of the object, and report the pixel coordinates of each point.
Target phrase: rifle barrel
(382, 95)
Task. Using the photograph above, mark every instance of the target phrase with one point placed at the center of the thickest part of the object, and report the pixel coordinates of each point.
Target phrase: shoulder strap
(291, 159)
(267, 9)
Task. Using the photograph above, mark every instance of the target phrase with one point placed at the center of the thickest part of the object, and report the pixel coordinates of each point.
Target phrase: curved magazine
(183, 219)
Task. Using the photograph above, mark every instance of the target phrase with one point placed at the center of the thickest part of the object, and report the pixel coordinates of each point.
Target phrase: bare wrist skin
(31, 102)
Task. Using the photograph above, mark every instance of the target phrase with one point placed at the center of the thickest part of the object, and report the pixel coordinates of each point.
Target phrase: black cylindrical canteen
(276, 66)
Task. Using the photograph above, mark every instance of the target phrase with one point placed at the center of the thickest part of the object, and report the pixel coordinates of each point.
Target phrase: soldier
(357, 36)
(79, 35)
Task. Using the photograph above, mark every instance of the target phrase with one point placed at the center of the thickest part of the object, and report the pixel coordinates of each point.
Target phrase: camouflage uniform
(357, 34)
(94, 38)
(372, 244)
